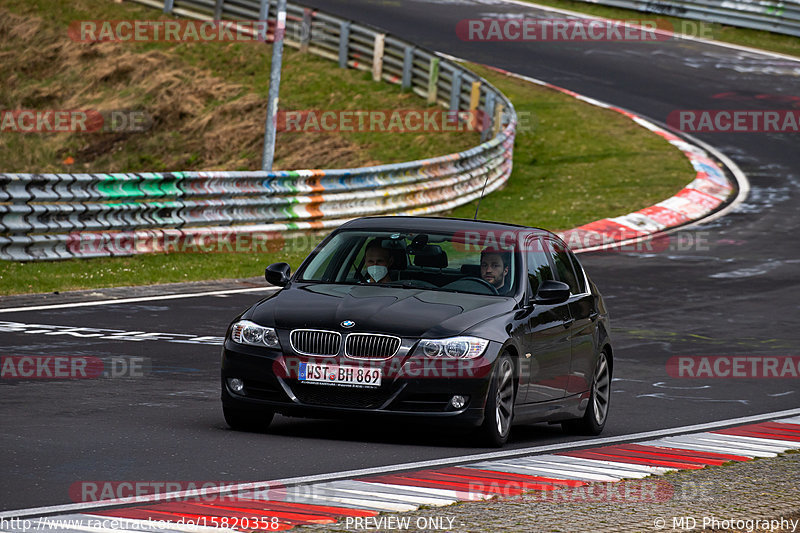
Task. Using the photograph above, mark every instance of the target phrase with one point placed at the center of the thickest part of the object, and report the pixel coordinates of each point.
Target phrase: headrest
(431, 256)
(399, 262)
(471, 270)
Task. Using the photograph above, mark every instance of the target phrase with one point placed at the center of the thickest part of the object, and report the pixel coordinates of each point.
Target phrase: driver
(378, 260)
(494, 268)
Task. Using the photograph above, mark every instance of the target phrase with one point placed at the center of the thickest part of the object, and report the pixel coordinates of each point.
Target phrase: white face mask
(377, 272)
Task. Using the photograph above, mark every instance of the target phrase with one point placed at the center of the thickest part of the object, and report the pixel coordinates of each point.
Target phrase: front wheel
(499, 411)
(594, 419)
(241, 420)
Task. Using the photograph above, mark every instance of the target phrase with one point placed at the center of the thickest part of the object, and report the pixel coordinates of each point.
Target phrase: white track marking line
(447, 493)
(795, 420)
(396, 496)
(716, 447)
(615, 469)
(687, 447)
(449, 461)
(131, 300)
(575, 466)
(331, 489)
(655, 470)
(627, 467)
(565, 472)
(376, 488)
(515, 468)
(357, 503)
(723, 440)
(768, 442)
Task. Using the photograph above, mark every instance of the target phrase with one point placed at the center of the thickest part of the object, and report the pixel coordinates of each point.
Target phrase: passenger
(494, 268)
(378, 260)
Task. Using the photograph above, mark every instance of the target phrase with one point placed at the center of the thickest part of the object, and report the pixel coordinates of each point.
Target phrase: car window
(355, 265)
(538, 264)
(432, 261)
(330, 258)
(578, 272)
(563, 266)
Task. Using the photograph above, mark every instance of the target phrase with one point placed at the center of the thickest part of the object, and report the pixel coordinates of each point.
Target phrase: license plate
(353, 376)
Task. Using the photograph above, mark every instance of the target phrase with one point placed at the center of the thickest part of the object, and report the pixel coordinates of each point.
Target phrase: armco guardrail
(60, 216)
(779, 17)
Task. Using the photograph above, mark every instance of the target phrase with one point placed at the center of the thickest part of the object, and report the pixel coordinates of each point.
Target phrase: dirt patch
(196, 121)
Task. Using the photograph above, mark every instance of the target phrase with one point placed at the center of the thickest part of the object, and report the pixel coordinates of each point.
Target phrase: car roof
(444, 224)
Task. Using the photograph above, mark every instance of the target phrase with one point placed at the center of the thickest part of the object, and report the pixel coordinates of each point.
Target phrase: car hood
(374, 308)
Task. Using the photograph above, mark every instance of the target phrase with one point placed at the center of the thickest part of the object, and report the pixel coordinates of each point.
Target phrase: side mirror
(278, 274)
(552, 292)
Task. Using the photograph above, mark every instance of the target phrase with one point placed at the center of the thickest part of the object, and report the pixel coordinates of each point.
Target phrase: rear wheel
(242, 420)
(594, 419)
(499, 411)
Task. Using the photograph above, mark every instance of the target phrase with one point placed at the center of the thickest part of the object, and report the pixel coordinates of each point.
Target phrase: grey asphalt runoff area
(736, 497)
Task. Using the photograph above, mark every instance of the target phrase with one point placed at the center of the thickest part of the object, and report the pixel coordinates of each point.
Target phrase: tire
(241, 420)
(499, 410)
(596, 415)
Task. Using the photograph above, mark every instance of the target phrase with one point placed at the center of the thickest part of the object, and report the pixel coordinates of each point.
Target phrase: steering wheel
(482, 282)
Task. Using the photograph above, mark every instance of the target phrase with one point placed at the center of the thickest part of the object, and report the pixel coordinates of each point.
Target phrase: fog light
(236, 384)
(457, 402)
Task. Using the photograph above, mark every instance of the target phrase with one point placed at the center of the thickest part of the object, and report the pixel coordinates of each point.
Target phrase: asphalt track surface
(727, 288)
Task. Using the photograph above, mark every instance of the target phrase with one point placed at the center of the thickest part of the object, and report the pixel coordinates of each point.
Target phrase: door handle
(568, 323)
(594, 316)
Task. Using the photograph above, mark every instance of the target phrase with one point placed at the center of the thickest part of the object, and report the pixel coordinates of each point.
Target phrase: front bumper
(412, 387)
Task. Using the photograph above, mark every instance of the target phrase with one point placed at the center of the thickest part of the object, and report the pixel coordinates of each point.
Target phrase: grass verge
(577, 163)
(764, 40)
(206, 101)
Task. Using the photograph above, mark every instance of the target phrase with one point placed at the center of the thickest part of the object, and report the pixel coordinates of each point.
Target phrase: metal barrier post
(474, 102)
(433, 80)
(168, 6)
(488, 115)
(408, 64)
(344, 39)
(218, 9)
(274, 87)
(377, 56)
(305, 30)
(497, 123)
(263, 16)
(455, 91)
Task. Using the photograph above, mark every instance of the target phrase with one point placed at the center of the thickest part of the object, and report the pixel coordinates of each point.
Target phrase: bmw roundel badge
(348, 324)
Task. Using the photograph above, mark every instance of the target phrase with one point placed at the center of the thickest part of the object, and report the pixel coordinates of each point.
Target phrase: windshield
(415, 260)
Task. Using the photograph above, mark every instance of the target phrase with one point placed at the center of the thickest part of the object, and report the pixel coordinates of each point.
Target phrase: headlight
(454, 347)
(246, 332)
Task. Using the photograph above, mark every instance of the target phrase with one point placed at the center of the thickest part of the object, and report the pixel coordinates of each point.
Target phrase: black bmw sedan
(473, 323)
